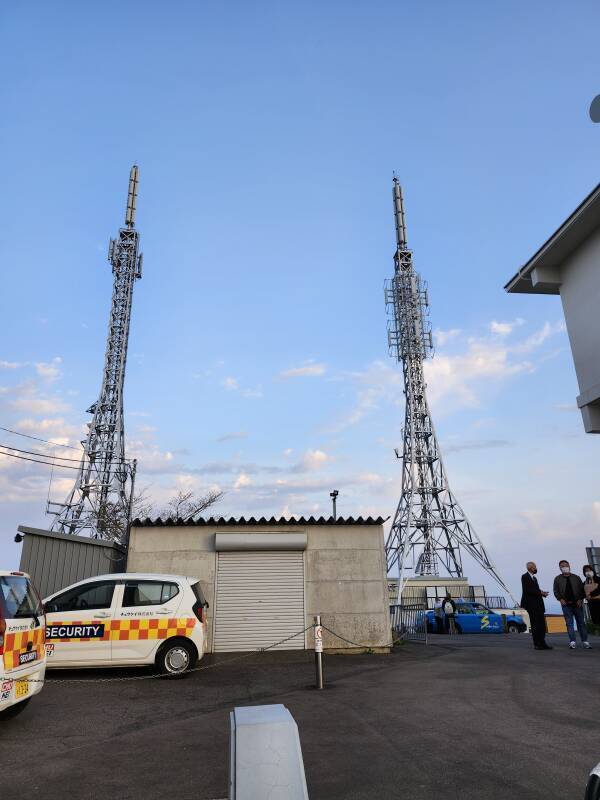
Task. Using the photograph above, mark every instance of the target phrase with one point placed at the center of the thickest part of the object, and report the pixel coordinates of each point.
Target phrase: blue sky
(266, 135)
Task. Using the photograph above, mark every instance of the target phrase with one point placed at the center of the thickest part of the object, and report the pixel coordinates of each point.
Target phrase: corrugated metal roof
(67, 537)
(244, 521)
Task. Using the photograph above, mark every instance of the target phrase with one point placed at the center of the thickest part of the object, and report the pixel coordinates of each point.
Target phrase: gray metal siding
(260, 600)
(57, 560)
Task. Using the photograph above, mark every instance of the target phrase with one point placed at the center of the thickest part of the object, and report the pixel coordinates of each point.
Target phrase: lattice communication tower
(99, 503)
(430, 528)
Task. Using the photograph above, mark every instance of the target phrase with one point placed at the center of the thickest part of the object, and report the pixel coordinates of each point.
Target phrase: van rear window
(18, 598)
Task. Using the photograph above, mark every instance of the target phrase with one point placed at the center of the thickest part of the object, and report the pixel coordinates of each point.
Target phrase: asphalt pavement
(469, 717)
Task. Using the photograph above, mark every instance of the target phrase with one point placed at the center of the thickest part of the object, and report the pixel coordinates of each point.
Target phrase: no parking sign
(318, 639)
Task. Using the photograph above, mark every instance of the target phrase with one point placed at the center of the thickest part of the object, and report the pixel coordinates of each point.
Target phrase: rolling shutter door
(260, 600)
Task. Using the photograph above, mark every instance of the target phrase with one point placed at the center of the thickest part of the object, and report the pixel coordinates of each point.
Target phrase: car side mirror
(206, 604)
(592, 790)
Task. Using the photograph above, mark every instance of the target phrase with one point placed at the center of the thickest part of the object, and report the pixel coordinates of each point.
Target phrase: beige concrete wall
(181, 550)
(345, 574)
(346, 583)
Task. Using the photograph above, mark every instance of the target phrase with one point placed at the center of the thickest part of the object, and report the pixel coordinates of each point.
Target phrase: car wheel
(14, 710)
(176, 657)
(513, 627)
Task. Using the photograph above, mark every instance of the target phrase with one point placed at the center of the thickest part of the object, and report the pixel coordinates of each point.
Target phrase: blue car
(476, 618)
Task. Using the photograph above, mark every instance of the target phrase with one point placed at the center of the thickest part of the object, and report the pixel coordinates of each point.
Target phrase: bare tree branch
(183, 505)
(186, 505)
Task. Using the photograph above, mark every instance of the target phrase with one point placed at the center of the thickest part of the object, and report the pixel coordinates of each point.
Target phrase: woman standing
(592, 592)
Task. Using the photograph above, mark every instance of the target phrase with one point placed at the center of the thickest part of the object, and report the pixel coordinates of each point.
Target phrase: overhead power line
(38, 439)
(39, 453)
(36, 461)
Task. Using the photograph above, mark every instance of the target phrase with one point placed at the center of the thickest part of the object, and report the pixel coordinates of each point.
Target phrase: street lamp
(333, 496)
(595, 109)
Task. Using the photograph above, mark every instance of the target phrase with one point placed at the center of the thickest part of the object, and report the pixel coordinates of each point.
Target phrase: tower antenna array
(430, 528)
(100, 501)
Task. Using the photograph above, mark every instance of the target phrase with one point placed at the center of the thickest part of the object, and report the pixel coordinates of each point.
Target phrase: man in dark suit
(533, 602)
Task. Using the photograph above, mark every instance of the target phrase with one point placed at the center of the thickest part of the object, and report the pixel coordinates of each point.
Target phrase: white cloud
(227, 437)
(242, 481)
(11, 365)
(458, 379)
(453, 381)
(379, 383)
(443, 337)
(311, 460)
(479, 444)
(537, 338)
(252, 393)
(50, 371)
(55, 429)
(504, 328)
(309, 369)
(146, 428)
(233, 385)
(26, 398)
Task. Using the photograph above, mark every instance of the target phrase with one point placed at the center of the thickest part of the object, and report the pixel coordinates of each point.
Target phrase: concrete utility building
(569, 264)
(266, 579)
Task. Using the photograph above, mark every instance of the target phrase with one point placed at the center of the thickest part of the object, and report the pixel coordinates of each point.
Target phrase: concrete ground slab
(469, 717)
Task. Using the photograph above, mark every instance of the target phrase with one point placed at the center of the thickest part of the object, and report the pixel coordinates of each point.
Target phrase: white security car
(22, 656)
(127, 619)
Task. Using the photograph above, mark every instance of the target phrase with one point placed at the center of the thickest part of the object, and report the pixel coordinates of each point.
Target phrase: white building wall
(580, 295)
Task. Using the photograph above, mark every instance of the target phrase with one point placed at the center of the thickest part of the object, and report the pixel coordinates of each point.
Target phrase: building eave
(552, 254)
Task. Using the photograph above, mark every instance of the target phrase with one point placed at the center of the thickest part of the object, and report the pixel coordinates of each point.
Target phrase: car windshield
(18, 598)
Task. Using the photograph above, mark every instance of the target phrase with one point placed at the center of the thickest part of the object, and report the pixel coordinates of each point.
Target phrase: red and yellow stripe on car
(119, 629)
(23, 647)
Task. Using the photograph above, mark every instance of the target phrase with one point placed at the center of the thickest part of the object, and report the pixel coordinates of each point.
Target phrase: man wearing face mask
(569, 591)
(533, 602)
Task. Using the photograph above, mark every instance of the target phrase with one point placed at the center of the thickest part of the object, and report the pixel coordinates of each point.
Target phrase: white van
(127, 619)
(22, 656)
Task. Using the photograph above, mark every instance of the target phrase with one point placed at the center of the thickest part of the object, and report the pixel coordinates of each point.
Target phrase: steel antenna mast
(429, 528)
(100, 501)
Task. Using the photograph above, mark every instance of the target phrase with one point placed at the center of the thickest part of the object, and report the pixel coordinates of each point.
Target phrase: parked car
(22, 655)
(127, 619)
(476, 618)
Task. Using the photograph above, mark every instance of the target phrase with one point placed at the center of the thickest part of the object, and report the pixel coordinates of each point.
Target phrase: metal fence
(409, 622)
(412, 595)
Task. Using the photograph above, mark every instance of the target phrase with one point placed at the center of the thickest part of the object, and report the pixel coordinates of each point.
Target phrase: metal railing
(409, 622)
(412, 595)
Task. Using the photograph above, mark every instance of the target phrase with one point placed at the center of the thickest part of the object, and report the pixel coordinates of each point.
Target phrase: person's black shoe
(538, 647)
(546, 646)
